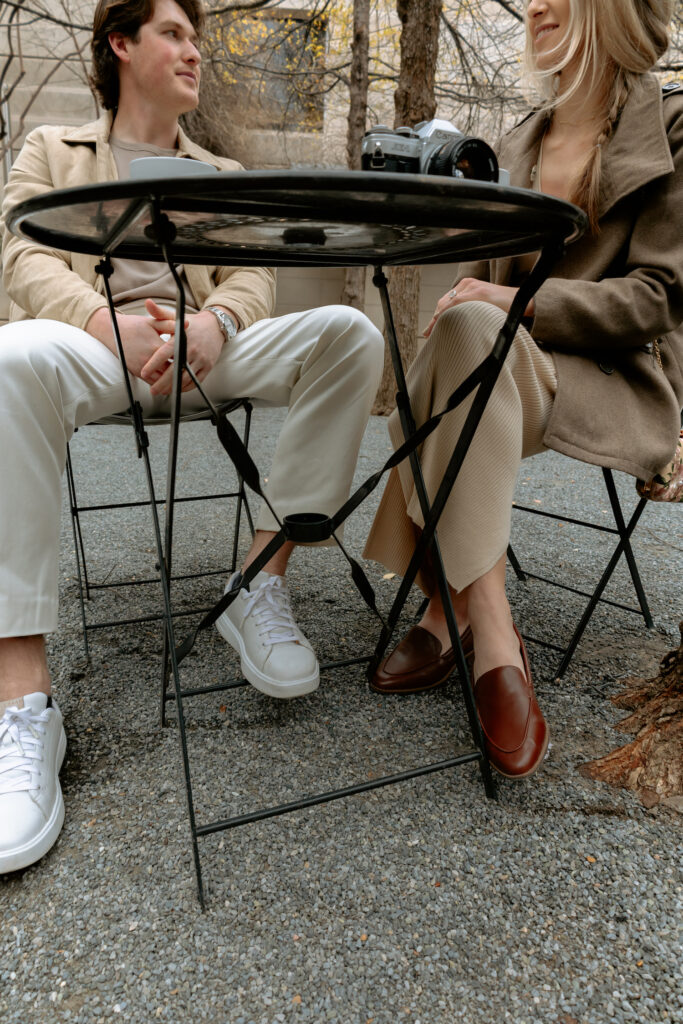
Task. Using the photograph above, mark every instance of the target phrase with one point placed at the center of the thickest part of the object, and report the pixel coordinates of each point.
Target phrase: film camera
(431, 147)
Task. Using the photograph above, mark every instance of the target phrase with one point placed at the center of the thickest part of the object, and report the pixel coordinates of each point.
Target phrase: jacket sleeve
(480, 269)
(38, 279)
(248, 291)
(645, 302)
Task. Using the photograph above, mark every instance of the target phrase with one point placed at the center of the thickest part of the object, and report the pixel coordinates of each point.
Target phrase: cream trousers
(474, 528)
(324, 365)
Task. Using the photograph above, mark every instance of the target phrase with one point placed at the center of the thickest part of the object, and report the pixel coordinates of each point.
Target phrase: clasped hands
(471, 289)
(148, 344)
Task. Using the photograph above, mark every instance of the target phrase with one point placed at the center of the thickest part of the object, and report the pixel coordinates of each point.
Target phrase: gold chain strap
(658, 354)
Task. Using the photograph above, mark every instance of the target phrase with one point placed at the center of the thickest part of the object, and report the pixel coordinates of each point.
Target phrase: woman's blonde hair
(611, 43)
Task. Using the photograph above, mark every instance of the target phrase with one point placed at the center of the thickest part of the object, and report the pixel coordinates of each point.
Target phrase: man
(59, 369)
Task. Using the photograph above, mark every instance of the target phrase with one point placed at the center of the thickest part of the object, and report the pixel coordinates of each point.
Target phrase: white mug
(168, 167)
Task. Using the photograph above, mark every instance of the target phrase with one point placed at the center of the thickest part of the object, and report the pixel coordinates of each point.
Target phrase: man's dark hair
(127, 17)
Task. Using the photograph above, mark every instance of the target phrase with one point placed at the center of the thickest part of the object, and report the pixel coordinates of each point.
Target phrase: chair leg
(597, 593)
(628, 551)
(79, 550)
(512, 559)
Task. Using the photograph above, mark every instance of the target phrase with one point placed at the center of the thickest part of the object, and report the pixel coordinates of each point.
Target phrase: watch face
(227, 323)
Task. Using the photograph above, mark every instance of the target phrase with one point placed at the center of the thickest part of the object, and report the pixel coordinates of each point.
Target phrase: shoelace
(272, 611)
(21, 749)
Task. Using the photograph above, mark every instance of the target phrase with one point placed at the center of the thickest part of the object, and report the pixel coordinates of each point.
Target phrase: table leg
(408, 427)
(164, 547)
(484, 381)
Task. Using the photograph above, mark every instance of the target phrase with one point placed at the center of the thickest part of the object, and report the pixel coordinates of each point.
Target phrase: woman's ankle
(495, 644)
(435, 622)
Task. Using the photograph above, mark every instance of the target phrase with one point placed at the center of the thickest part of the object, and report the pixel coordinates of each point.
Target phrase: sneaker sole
(266, 684)
(31, 852)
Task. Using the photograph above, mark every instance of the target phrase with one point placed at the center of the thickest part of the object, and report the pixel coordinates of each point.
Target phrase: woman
(598, 374)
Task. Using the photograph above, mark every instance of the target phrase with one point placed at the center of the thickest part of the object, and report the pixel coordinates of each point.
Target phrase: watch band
(225, 322)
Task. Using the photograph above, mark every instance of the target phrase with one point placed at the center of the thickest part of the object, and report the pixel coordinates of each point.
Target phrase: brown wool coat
(49, 284)
(614, 294)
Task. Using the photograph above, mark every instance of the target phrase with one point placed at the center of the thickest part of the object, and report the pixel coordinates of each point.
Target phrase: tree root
(652, 763)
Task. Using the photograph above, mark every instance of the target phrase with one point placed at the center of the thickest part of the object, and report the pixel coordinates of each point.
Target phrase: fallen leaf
(297, 1000)
(223, 708)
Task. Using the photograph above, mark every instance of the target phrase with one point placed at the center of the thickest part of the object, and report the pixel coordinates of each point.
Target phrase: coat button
(606, 368)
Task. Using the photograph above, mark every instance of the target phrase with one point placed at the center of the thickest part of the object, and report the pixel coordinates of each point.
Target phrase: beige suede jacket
(615, 294)
(50, 284)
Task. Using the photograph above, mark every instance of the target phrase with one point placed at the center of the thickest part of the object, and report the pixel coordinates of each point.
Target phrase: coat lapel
(637, 153)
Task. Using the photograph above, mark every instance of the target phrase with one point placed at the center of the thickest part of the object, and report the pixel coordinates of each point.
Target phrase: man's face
(164, 60)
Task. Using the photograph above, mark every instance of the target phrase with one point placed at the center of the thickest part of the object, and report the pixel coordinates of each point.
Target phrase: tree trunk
(353, 292)
(652, 764)
(413, 101)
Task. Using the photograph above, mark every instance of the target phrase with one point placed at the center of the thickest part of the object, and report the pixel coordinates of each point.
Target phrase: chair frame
(624, 531)
(87, 588)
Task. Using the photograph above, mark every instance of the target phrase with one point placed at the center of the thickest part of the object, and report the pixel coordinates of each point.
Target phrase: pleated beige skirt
(474, 528)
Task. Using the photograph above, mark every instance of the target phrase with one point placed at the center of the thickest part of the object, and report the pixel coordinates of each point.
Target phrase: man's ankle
(277, 565)
(23, 667)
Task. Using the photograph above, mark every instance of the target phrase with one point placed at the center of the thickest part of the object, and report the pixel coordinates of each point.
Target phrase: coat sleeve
(38, 279)
(480, 269)
(43, 283)
(645, 302)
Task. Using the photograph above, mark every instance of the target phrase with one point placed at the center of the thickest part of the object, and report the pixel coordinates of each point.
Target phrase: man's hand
(204, 344)
(139, 338)
(470, 289)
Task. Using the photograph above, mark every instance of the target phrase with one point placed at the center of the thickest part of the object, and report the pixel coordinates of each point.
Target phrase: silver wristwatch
(226, 323)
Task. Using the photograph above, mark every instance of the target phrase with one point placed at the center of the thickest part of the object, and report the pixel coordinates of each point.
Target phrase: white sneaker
(276, 657)
(32, 748)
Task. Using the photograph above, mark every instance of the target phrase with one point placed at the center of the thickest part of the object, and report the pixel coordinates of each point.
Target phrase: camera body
(431, 147)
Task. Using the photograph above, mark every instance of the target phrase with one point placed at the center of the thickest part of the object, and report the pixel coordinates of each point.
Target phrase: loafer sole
(422, 688)
(531, 771)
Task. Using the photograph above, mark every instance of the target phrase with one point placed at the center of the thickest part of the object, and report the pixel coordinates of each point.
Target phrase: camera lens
(466, 157)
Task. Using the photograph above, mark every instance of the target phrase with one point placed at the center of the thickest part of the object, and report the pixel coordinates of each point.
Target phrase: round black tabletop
(280, 218)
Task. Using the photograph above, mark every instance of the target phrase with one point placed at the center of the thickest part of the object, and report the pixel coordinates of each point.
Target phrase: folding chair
(88, 588)
(624, 531)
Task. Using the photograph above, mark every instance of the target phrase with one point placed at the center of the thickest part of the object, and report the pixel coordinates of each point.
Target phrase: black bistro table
(321, 219)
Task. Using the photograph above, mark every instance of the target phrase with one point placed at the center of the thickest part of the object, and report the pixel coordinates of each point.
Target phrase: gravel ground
(423, 902)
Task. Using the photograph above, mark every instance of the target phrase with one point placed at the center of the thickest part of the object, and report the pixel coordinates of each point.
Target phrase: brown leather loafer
(515, 730)
(417, 663)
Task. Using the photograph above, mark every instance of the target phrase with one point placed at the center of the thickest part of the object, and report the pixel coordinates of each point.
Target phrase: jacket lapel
(637, 153)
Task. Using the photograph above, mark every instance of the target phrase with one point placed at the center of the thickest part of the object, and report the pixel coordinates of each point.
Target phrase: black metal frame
(530, 222)
(621, 529)
(87, 588)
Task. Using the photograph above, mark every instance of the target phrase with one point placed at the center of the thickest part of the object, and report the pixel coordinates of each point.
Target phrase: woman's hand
(204, 344)
(470, 289)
